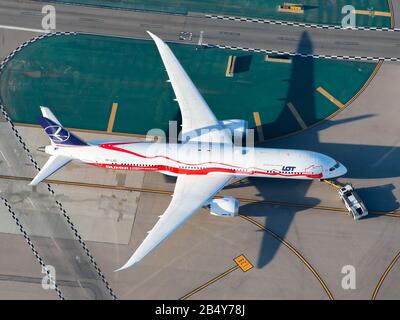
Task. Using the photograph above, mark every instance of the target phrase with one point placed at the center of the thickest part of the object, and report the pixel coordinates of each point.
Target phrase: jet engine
(224, 207)
(237, 128)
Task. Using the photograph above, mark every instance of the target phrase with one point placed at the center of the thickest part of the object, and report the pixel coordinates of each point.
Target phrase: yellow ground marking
(332, 115)
(394, 213)
(288, 245)
(112, 117)
(373, 13)
(257, 120)
(291, 7)
(331, 98)
(243, 263)
(384, 275)
(278, 59)
(333, 184)
(297, 115)
(222, 275)
(230, 67)
(392, 13)
(137, 135)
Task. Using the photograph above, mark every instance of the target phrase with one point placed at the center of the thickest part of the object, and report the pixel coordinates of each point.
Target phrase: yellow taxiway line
(295, 113)
(222, 275)
(257, 120)
(112, 117)
(373, 13)
(384, 275)
(241, 262)
(288, 245)
(394, 213)
(230, 67)
(331, 98)
(245, 265)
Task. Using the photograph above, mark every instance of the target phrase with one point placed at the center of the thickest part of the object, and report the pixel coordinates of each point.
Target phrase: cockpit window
(336, 166)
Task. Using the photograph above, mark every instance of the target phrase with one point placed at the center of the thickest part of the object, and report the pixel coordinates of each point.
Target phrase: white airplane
(204, 163)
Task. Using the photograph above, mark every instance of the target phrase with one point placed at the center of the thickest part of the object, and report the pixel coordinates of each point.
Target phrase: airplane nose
(340, 171)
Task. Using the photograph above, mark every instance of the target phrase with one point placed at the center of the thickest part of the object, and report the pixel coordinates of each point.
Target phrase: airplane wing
(196, 114)
(191, 193)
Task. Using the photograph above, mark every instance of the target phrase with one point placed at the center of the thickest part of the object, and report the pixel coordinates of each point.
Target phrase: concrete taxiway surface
(232, 33)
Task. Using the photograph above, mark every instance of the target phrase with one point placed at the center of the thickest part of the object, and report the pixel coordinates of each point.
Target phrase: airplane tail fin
(58, 136)
(52, 165)
(56, 132)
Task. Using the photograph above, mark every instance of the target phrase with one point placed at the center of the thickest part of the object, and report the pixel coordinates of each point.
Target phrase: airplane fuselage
(205, 164)
(201, 159)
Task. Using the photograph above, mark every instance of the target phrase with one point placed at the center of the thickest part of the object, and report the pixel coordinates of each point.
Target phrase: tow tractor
(351, 200)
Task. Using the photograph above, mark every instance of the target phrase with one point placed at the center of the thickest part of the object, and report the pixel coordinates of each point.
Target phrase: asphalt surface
(218, 32)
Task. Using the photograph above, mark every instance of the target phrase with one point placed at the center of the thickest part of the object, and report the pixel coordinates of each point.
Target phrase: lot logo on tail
(57, 133)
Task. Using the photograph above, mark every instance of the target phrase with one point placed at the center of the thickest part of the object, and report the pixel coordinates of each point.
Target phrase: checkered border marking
(304, 55)
(31, 245)
(299, 24)
(59, 205)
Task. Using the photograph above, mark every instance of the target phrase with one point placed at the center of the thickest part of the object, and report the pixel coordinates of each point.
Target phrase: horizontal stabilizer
(52, 165)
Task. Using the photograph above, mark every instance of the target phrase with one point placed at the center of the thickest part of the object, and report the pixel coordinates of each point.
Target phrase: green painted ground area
(80, 77)
(316, 11)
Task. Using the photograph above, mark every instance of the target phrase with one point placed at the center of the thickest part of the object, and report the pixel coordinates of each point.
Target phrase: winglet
(127, 265)
(156, 39)
(151, 35)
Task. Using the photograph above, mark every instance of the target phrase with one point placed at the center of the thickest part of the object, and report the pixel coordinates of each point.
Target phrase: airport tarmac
(285, 38)
(327, 239)
(139, 91)
(365, 137)
(313, 12)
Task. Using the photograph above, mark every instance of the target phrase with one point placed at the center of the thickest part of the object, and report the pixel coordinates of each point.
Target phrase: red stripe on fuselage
(202, 171)
(112, 146)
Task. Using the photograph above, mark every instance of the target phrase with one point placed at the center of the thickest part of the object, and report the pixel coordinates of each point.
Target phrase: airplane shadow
(380, 197)
(362, 161)
(301, 80)
(242, 63)
(309, 7)
(277, 220)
